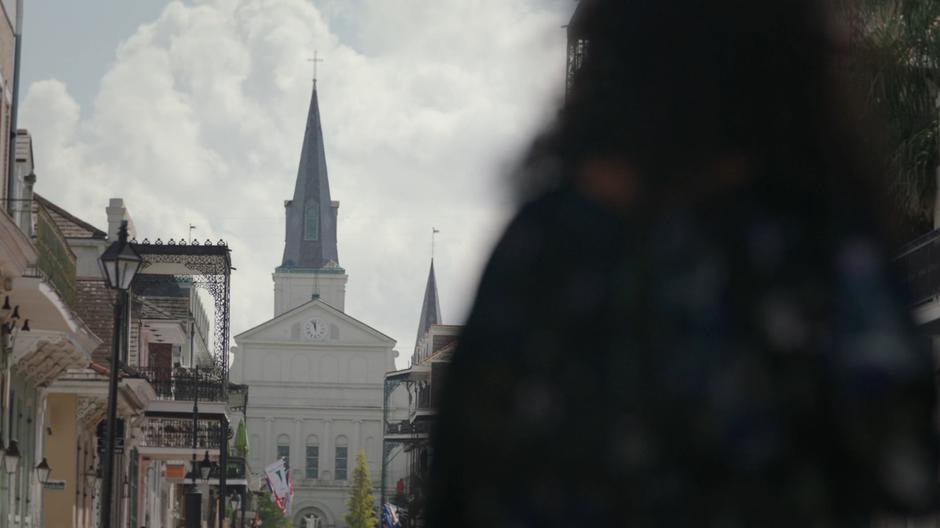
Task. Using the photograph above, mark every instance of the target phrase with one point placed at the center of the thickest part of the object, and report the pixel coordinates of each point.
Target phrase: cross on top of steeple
(316, 58)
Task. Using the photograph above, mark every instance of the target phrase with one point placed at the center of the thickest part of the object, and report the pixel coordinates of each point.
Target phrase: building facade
(411, 403)
(172, 385)
(43, 341)
(315, 372)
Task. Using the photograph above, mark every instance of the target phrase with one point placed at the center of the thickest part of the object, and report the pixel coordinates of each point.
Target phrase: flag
(279, 481)
(390, 516)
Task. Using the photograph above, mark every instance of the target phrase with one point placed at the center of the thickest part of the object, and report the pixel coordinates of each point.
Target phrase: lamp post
(121, 264)
(205, 467)
(43, 471)
(11, 459)
(194, 498)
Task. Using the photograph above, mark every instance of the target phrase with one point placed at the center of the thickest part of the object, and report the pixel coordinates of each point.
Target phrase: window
(313, 462)
(283, 448)
(341, 458)
(340, 463)
(312, 223)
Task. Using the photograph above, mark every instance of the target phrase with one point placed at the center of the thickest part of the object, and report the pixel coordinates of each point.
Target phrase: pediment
(341, 329)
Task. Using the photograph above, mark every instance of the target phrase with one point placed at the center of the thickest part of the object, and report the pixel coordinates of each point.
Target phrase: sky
(194, 112)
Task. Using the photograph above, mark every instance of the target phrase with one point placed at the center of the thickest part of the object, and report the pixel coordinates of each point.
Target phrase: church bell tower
(310, 267)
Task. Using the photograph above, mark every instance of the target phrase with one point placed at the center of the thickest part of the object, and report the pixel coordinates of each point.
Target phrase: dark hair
(672, 86)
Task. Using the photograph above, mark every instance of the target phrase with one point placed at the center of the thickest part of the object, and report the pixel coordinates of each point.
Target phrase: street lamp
(43, 471)
(11, 458)
(120, 263)
(205, 467)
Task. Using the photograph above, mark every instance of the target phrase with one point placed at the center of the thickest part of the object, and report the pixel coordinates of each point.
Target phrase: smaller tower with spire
(431, 307)
(430, 313)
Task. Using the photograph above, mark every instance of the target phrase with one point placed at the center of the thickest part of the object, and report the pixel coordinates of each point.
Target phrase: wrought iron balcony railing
(236, 469)
(185, 384)
(406, 428)
(56, 261)
(919, 265)
(423, 400)
(178, 433)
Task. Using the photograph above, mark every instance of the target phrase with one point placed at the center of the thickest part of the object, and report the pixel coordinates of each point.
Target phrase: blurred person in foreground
(691, 320)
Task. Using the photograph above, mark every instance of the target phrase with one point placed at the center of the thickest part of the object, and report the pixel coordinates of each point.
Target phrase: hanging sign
(176, 471)
(54, 485)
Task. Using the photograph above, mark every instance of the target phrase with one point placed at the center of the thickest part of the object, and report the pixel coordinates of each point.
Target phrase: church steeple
(310, 242)
(310, 268)
(431, 307)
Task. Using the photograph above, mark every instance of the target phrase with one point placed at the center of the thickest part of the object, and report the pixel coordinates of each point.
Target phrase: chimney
(117, 213)
(26, 212)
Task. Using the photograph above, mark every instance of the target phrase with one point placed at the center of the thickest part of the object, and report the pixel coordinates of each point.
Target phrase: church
(315, 373)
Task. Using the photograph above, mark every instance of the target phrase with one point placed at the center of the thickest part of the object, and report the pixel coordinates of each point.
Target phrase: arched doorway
(311, 518)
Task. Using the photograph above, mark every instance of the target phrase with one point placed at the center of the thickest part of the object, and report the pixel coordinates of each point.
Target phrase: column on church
(357, 442)
(269, 452)
(326, 456)
(298, 457)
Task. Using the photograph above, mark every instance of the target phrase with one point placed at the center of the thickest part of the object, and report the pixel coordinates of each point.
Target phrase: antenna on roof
(191, 227)
(434, 232)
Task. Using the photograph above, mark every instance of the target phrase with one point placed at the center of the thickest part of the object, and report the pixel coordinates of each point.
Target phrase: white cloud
(201, 116)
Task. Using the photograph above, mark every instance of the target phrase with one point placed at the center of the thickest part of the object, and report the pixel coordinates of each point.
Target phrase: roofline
(308, 303)
(96, 233)
(449, 347)
(8, 19)
(291, 269)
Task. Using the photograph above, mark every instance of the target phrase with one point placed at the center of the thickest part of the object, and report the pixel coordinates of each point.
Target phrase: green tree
(895, 65)
(361, 501)
(271, 515)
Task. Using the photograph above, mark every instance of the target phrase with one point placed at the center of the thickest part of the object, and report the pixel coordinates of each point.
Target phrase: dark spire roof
(311, 216)
(431, 308)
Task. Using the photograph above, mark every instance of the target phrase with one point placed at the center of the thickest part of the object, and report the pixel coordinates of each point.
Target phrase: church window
(312, 223)
(313, 458)
(342, 457)
(283, 448)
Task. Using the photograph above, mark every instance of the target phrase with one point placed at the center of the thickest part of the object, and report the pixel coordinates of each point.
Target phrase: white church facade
(315, 373)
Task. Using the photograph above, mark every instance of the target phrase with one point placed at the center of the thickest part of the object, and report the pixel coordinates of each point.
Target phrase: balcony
(919, 266)
(407, 428)
(56, 262)
(182, 384)
(178, 433)
(236, 469)
(422, 401)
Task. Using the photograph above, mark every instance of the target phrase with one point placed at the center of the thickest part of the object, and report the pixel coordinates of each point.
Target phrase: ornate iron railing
(423, 400)
(236, 469)
(406, 427)
(178, 432)
(185, 384)
(56, 261)
(919, 265)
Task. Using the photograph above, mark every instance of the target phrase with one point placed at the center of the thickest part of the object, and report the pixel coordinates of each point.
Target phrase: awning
(17, 252)
(58, 340)
(91, 388)
(417, 373)
(41, 356)
(40, 303)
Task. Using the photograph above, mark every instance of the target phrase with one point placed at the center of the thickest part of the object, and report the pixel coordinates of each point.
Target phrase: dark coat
(734, 363)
